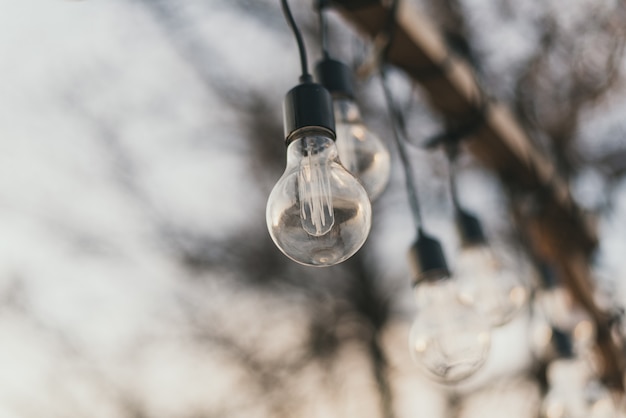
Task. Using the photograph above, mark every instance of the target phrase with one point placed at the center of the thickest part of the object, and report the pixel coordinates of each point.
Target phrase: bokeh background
(139, 140)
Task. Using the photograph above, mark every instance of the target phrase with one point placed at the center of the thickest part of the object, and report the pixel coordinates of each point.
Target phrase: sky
(113, 146)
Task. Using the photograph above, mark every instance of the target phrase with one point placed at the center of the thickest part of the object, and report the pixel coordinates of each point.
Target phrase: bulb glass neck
(432, 294)
(308, 106)
(311, 141)
(568, 372)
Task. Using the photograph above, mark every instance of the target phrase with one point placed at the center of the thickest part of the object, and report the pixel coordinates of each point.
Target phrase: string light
(360, 150)
(449, 339)
(573, 391)
(496, 289)
(318, 214)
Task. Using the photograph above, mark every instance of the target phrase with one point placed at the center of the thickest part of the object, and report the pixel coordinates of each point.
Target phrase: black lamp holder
(427, 260)
(336, 77)
(469, 227)
(562, 343)
(547, 275)
(333, 74)
(307, 105)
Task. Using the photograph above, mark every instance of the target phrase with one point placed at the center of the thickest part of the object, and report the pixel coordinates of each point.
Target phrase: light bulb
(449, 339)
(603, 403)
(572, 390)
(566, 397)
(360, 151)
(496, 290)
(318, 214)
(560, 309)
(575, 392)
(540, 335)
(484, 280)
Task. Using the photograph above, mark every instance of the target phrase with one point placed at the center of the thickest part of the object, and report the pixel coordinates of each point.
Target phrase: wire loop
(305, 77)
(398, 125)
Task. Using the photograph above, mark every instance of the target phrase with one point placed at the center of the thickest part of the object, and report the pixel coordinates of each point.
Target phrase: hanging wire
(390, 29)
(399, 134)
(452, 152)
(450, 135)
(305, 77)
(398, 124)
(321, 6)
(448, 139)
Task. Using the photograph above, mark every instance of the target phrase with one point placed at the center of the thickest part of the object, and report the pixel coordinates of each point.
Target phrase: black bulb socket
(336, 77)
(562, 344)
(308, 105)
(427, 260)
(549, 279)
(470, 229)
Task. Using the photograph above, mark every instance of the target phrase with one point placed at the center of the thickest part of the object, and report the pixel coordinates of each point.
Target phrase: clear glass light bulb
(566, 397)
(558, 306)
(602, 403)
(318, 213)
(483, 279)
(540, 334)
(575, 393)
(360, 151)
(449, 339)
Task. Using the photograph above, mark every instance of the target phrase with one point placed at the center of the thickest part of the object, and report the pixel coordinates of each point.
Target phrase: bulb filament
(316, 208)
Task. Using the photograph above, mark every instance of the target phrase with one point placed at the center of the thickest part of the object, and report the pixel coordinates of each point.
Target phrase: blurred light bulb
(318, 214)
(557, 304)
(603, 404)
(540, 335)
(360, 151)
(449, 339)
(560, 310)
(576, 393)
(567, 396)
(483, 279)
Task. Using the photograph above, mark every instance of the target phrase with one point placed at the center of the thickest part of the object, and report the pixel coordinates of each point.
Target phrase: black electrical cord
(390, 29)
(448, 139)
(400, 135)
(450, 135)
(305, 77)
(452, 152)
(468, 225)
(321, 6)
(398, 125)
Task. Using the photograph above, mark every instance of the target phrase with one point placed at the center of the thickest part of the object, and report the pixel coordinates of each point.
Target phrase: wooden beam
(563, 234)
